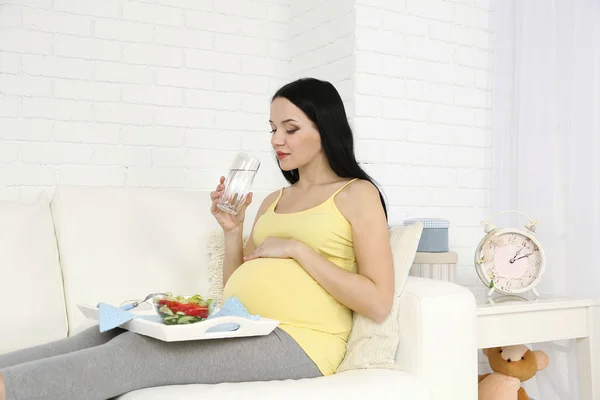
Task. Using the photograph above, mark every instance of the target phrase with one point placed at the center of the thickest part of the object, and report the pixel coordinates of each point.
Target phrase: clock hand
(526, 255)
(512, 260)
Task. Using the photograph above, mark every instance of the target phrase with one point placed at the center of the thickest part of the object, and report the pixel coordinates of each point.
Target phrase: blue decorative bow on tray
(111, 316)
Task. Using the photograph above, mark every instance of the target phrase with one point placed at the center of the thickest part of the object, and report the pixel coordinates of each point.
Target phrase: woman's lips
(281, 155)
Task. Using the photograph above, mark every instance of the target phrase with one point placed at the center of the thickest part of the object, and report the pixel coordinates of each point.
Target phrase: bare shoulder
(362, 186)
(267, 201)
(360, 198)
(360, 189)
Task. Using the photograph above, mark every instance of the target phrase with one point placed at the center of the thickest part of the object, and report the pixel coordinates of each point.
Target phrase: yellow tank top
(281, 289)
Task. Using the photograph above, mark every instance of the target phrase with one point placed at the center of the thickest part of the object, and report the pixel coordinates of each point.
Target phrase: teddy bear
(511, 365)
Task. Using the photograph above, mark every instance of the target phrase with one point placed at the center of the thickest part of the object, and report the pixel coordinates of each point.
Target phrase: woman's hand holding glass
(228, 222)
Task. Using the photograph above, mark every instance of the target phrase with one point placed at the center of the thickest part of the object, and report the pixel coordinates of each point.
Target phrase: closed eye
(290, 131)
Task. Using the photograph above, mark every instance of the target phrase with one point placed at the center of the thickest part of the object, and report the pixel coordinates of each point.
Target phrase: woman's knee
(130, 340)
(149, 348)
(92, 336)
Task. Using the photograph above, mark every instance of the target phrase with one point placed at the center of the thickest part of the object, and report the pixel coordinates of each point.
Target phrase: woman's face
(295, 139)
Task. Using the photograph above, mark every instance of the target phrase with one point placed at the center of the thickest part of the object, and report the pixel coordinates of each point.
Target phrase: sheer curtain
(546, 149)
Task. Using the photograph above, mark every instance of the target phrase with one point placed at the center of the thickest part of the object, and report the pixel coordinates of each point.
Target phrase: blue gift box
(434, 238)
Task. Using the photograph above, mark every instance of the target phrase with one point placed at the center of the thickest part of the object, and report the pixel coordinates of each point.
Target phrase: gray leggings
(93, 365)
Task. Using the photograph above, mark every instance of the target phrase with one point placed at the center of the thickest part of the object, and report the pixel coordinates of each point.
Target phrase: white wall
(160, 93)
(422, 111)
(322, 44)
(163, 93)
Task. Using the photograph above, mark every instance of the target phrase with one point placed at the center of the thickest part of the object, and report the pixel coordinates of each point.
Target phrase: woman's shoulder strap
(276, 201)
(343, 187)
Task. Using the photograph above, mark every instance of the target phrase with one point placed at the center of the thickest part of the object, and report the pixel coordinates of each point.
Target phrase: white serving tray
(152, 325)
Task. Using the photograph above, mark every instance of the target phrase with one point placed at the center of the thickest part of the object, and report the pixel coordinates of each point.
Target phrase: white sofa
(88, 244)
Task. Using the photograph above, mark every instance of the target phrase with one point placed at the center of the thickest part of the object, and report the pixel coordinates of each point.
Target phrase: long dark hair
(322, 103)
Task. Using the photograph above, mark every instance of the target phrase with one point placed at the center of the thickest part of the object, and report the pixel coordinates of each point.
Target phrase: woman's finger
(215, 195)
(246, 203)
(213, 208)
(221, 184)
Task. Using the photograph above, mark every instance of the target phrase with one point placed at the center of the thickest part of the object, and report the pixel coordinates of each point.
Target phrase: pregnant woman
(319, 249)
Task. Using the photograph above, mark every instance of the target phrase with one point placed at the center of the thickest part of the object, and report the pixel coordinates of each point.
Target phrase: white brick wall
(422, 111)
(163, 93)
(155, 93)
(322, 36)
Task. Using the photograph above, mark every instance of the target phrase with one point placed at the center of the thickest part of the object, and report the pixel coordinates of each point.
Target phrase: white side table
(547, 318)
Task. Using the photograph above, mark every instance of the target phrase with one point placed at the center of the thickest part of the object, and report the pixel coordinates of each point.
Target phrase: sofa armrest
(437, 337)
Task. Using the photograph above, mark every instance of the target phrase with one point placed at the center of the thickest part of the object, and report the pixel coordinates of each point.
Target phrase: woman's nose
(278, 139)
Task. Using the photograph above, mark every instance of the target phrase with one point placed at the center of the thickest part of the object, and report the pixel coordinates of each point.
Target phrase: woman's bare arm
(234, 242)
(370, 291)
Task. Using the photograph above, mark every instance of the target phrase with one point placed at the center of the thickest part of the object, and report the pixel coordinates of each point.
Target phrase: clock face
(512, 261)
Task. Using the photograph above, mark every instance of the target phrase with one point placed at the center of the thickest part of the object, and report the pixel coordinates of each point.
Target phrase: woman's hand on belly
(273, 247)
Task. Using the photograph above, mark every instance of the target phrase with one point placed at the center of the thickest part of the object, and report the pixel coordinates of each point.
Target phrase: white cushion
(371, 344)
(33, 308)
(350, 385)
(128, 242)
(124, 243)
(216, 251)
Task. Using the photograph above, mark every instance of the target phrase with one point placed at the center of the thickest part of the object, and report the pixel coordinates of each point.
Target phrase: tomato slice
(194, 310)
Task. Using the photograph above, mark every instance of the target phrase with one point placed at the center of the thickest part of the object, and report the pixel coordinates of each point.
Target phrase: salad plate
(149, 321)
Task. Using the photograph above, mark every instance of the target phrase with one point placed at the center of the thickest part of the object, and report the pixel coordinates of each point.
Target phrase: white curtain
(546, 149)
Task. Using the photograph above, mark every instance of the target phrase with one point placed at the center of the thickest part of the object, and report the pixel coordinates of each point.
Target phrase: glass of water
(238, 183)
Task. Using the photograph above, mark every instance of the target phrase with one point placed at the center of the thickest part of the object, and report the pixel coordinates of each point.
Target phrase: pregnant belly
(281, 289)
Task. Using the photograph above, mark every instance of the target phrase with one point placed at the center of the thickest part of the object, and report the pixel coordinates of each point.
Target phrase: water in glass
(238, 183)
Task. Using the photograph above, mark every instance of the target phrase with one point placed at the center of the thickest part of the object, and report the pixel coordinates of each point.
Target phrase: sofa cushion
(124, 243)
(359, 385)
(128, 242)
(216, 251)
(33, 309)
(371, 344)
